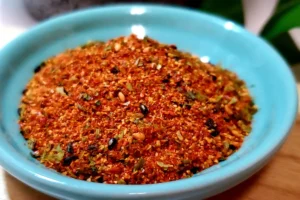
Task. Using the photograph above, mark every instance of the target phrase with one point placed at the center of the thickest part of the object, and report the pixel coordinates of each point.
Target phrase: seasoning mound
(133, 111)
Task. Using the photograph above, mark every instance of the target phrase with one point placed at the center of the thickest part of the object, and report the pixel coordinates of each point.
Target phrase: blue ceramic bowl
(213, 39)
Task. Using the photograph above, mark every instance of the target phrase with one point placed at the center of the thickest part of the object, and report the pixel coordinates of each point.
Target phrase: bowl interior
(213, 39)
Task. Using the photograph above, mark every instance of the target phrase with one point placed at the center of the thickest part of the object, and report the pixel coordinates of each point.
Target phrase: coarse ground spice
(133, 111)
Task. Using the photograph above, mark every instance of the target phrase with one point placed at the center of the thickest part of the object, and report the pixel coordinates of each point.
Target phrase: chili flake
(131, 111)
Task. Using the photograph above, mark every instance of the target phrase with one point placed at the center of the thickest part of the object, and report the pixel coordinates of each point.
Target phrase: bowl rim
(44, 181)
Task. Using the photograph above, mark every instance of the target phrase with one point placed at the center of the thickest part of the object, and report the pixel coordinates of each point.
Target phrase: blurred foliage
(285, 17)
(287, 48)
(232, 9)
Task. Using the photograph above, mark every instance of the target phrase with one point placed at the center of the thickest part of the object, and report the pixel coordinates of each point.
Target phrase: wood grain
(280, 179)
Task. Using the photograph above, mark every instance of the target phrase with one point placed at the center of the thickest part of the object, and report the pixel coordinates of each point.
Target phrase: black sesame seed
(77, 172)
(19, 111)
(116, 92)
(66, 92)
(35, 154)
(194, 170)
(24, 91)
(188, 106)
(177, 58)
(112, 143)
(70, 148)
(92, 147)
(178, 84)
(100, 180)
(144, 109)
(214, 133)
(236, 116)
(211, 64)
(68, 160)
(167, 79)
(210, 123)
(175, 103)
(115, 70)
(232, 147)
(216, 109)
(227, 119)
(222, 159)
(38, 68)
(214, 78)
(94, 170)
(173, 46)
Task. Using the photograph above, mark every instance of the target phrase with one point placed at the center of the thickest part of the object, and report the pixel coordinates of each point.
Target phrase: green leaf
(139, 165)
(163, 165)
(232, 9)
(287, 48)
(285, 18)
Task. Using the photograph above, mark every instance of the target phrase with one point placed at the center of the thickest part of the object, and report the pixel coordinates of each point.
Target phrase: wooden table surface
(279, 179)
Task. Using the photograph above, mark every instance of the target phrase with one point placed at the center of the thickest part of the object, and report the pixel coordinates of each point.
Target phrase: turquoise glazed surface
(213, 39)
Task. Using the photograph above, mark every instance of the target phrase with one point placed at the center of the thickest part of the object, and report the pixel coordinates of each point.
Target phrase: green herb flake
(70, 172)
(233, 100)
(84, 138)
(174, 55)
(145, 39)
(97, 133)
(186, 161)
(190, 95)
(246, 114)
(92, 162)
(163, 165)
(44, 156)
(229, 88)
(85, 96)
(226, 145)
(121, 134)
(200, 97)
(80, 107)
(139, 165)
(55, 155)
(219, 98)
(121, 181)
(91, 43)
(30, 143)
(59, 153)
(107, 48)
(129, 86)
(61, 90)
(98, 103)
(86, 126)
(244, 127)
